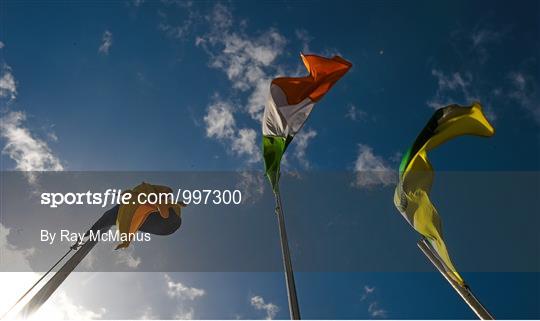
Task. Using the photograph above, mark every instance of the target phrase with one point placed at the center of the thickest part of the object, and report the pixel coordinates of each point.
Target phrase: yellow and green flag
(291, 101)
(411, 196)
(133, 216)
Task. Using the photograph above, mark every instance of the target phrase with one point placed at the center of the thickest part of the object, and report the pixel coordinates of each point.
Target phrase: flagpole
(56, 280)
(463, 291)
(286, 255)
(73, 247)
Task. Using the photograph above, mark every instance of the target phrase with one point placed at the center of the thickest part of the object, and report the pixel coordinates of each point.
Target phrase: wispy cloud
(65, 308)
(481, 38)
(181, 291)
(301, 142)
(354, 113)
(8, 85)
(137, 3)
(453, 88)
(476, 44)
(305, 38)
(190, 21)
(457, 88)
(219, 120)
(106, 42)
(246, 144)
(13, 258)
(148, 314)
(372, 170)
(524, 90)
(221, 125)
(29, 152)
(252, 185)
(248, 61)
(127, 257)
(271, 309)
(374, 309)
(368, 290)
(184, 314)
(472, 81)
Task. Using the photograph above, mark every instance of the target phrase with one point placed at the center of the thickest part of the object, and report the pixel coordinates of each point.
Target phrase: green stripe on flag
(273, 149)
(426, 134)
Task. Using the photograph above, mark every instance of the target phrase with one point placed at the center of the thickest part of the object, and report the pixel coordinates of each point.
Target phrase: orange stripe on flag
(323, 74)
(141, 214)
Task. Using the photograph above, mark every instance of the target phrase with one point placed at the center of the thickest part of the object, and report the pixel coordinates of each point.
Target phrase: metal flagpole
(81, 249)
(287, 264)
(56, 280)
(464, 291)
(73, 247)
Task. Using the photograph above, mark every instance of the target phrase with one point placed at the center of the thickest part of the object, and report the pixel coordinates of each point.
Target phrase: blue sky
(180, 86)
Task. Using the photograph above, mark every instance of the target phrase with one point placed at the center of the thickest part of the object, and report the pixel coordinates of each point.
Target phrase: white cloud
(221, 125)
(456, 88)
(88, 261)
(30, 153)
(11, 257)
(184, 314)
(368, 290)
(252, 186)
(371, 170)
(14, 284)
(525, 92)
(148, 314)
(177, 290)
(126, 257)
(106, 42)
(452, 89)
(219, 120)
(220, 17)
(481, 38)
(301, 142)
(354, 113)
(375, 311)
(181, 291)
(183, 30)
(396, 158)
(246, 144)
(305, 38)
(2, 45)
(452, 82)
(62, 307)
(475, 45)
(248, 62)
(8, 85)
(271, 309)
(518, 80)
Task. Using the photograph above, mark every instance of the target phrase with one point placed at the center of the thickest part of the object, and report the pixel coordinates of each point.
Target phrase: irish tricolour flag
(290, 103)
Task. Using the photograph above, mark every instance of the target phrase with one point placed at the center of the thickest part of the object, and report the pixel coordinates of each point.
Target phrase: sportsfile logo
(113, 197)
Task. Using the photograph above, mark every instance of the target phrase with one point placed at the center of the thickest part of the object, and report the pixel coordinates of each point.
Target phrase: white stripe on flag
(282, 119)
